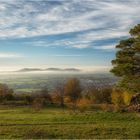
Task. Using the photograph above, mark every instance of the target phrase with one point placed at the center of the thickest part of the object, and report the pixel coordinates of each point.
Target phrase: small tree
(28, 99)
(41, 99)
(58, 95)
(38, 103)
(5, 92)
(73, 91)
(45, 95)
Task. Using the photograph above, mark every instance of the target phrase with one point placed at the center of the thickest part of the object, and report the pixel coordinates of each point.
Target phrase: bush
(117, 97)
(44, 95)
(105, 95)
(112, 108)
(5, 92)
(127, 97)
(107, 107)
(38, 103)
(28, 99)
(120, 97)
(83, 104)
(9, 96)
(99, 96)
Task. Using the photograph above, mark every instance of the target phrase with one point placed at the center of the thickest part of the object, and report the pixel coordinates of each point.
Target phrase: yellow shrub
(84, 102)
(117, 97)
(107, 107)
(120, 97)
(127, 97)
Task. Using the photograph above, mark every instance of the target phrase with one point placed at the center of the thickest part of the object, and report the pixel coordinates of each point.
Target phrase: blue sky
(63, 33)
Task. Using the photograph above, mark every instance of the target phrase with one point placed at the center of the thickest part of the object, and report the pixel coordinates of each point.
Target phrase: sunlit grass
(56, 123)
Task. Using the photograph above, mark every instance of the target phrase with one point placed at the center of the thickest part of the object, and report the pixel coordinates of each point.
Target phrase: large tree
(127, 62)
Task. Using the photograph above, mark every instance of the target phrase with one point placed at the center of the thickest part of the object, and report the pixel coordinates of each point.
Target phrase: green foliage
(127, 62)
(99, 95)
(130, 84)
(117, 97)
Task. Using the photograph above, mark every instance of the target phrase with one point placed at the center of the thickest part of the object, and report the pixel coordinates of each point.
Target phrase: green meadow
(51, 123)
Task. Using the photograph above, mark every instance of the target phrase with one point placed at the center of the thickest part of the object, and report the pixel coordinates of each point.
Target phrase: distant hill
(53, 69)
(29, 69)
(72, 69)
(48, 69)
(58, 69)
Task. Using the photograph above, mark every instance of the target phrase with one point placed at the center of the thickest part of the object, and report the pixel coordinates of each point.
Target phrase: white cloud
(67, 55)
(104, 20)
(106, 47)
(102, 35)
(29, 19)
(10, 55)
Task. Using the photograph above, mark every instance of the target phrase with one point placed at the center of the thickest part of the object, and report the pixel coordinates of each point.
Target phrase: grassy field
(53, 123)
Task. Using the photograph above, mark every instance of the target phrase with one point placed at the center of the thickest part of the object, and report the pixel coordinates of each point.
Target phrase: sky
(64, 33)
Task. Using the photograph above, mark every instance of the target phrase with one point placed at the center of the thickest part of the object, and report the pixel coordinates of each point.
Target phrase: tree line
(68, 95)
